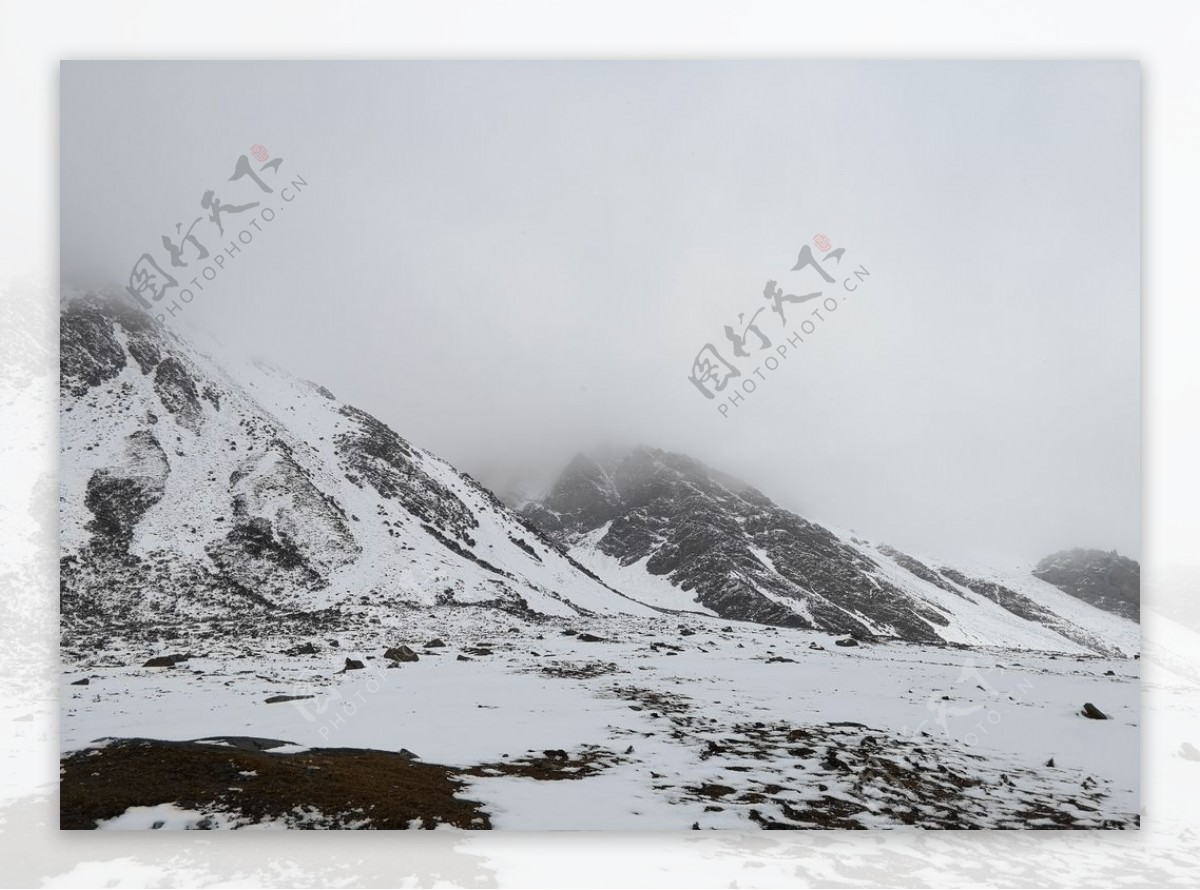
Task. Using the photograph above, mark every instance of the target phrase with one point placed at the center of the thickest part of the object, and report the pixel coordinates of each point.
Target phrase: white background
(35, 36)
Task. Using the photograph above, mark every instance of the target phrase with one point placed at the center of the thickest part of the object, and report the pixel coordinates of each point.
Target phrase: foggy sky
(509, 262)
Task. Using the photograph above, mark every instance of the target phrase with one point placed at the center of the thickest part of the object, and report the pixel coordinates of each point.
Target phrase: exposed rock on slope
(195, 491)
(676, 533)
(236, 495)
(1105, 580)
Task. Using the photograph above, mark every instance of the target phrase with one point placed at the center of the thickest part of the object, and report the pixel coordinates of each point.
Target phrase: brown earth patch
(348, 787)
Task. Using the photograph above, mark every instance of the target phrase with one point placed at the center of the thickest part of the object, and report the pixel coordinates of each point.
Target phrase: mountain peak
(684, 535)
(1104, 579)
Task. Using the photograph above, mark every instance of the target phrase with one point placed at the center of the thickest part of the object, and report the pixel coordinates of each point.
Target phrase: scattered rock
(589, 638)
(464, 658)
(165, 661)
(1050, 762)
(435, 643)
(556, 754)
(849, 641)
(277, 699)
(401, 654)
(302, 649)
(1110, 673)
(1092, 712)
(352, 664)
(84, 682)
(817, 646)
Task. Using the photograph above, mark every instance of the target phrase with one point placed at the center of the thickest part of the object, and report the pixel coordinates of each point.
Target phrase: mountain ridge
(720, 543)
(190, 493)
(195, 489)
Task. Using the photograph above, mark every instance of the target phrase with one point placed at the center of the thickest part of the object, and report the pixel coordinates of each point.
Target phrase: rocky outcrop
(726, 546)
(120, 495)
(230, 494)
(1102, 579)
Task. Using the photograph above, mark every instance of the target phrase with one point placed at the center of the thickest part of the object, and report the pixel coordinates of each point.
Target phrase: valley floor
(682, 722)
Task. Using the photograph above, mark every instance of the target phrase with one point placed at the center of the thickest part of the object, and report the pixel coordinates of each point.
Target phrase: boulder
(165, 661)
(401, 654)
(1092, 712)
(302, 649)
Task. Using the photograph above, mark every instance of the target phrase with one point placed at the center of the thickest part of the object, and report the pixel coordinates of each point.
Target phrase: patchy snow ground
(684, 722)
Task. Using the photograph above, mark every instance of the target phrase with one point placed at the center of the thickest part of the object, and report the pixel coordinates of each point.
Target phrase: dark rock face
(1105, 580)
(583, 497)
(374, 452)
(260, 557)
(178, 393)
(120, 495)
(728, 545)
(285, 531)
(89, 353)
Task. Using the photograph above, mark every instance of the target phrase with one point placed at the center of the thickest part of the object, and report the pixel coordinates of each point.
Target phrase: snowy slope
(191, 491)
(247, 559)
(196, 487)
(680, 535)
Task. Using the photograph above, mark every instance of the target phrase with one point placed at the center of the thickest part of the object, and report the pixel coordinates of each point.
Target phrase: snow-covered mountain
(202, 490)
(194, 490)
(672, 532)
(248, 563)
